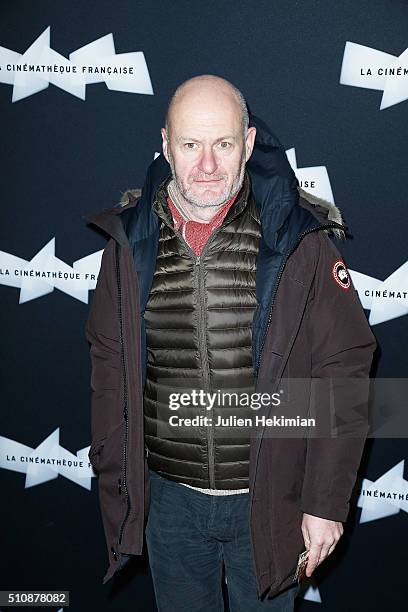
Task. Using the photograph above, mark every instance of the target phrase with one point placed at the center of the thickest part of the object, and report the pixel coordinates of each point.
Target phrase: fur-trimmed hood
(325, 210)
(318, 206)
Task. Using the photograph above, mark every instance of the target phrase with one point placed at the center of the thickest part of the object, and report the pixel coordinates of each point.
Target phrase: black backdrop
(62, 156)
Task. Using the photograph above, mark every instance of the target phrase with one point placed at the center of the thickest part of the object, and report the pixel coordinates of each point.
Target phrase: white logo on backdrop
(385, 496)
(44, 272)
(386, 299)
(46, 462)
(314, 179)
(96, 62)
(373, 69)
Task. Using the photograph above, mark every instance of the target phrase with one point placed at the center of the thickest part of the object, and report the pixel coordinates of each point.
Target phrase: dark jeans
(189, 536)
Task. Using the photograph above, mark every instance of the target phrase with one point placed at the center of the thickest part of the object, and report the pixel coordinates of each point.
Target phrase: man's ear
(249, 142)
(165, 143)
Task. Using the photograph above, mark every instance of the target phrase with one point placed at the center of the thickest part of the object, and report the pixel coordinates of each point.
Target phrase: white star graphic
(40, 65)
(370, 69)
(45, 272)
(385, 496)
(46, 462)
(386, 299)
(315, 175)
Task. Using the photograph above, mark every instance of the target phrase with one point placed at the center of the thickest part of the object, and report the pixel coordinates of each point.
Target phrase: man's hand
(320, 536)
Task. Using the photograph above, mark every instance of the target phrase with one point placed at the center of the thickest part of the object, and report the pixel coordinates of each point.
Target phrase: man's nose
(208, 161)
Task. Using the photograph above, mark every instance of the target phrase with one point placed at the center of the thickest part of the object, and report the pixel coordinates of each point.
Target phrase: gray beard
(181, 194)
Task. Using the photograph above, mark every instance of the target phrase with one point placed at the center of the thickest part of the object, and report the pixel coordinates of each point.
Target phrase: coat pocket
(108, 451)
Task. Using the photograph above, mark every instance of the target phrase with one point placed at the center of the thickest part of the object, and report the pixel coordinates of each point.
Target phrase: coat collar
(108, 220)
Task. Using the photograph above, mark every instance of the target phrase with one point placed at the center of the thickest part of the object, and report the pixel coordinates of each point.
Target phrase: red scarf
(196, 233)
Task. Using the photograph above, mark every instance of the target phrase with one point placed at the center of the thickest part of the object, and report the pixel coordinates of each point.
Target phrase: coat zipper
(300, 237)
(125, 409)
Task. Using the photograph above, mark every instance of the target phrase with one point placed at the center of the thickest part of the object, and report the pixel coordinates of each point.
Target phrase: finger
(333, 544)
(324, 552)
(313, 559)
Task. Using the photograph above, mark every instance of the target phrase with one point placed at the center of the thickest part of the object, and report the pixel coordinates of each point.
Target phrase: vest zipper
(203, 349)
(125, 408)
(201, 336)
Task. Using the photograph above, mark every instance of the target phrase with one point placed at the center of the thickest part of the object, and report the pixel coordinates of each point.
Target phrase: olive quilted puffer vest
(198, 321)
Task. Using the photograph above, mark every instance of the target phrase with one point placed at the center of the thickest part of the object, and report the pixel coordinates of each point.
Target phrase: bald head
(207, 142)
(206, 91)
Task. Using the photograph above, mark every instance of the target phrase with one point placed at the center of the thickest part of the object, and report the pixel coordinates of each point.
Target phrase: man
(223, 271)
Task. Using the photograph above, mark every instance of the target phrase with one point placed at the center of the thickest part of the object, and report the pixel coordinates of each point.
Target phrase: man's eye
(225, 145)
(190, 145)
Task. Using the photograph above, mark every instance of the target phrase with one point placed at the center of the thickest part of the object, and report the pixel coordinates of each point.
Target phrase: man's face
(206, 149)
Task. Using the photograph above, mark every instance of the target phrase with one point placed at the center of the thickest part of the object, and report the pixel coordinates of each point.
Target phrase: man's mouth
(209, 181)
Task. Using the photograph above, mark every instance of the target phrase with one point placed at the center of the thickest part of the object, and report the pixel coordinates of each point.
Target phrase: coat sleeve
(102, 333)
(342, 347)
